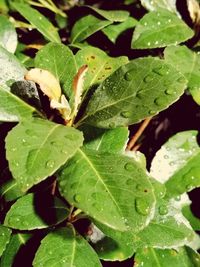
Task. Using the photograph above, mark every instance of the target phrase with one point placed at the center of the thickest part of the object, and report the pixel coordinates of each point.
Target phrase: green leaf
(64, 247)
(111, 15)
(111, 245)
(13, 108)
(194, 221)
(11, 70)
(30, 212)
(135, 91)
(3, 7)
(113, 140)
(150, 257)
(8, 35)
(105, 186)
(100, 65)
(113, 31)
(177, 163)
(60, 61)
(87, 26)
(157, 4)
(40, 22)
(36, 148)
(4, 238)
(168, 229)
(160, 29)
(16, 242)
(188, 63)
(10, 190)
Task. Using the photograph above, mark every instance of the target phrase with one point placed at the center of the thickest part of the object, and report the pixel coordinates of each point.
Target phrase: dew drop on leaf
(77, 198)
(177, 198)
(181, 80)
(163, 210)
(50, 163)
(112, 125)
(129, 76)
(130, 182)
(159, 101)
(126, 114)
(160, 71)
(148, 78)
(142, 207)
(169, 92)
(129, 167)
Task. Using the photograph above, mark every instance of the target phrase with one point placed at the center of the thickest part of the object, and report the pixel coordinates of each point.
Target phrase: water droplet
(181, 79)
(31, 133)
(64, 151)
(77, 198)
(152, 112)
(159, 70)
(126, 114)
(189, 187)
(15, 219)
(156, 42)
(169, 20)
(148, 43)
(129, 167)
(16, 163)
(148, 78)
(177, 198)
(129, 75)
(159, 101)
(50, 163)
(130, 182)
(169, 92)
(163, 210)
(166, 156)
(171, 163)
(24, 142)
(112, 125)
(142, 206)
(13, 149)
(158, 22)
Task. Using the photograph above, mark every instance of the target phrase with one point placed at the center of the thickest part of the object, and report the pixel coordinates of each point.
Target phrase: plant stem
(138, 133)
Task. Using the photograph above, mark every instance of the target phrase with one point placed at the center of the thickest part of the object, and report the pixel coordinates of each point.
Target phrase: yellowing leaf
(63, 107)
(47, 82)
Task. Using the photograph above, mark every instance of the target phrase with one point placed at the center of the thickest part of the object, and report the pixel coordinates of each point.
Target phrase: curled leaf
(47, 82)
(78, 87)
(63, 107)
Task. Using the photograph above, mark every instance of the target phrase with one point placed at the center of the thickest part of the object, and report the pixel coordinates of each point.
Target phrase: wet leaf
(177, 163)
(188, 63)
(40, 22)
(4, 238)
(159, 29)
(86, 26)
(64, 247)
(111, 182)
(36, 215)
(17, 241)
(131, 93)
(36, 148)
(8, 35)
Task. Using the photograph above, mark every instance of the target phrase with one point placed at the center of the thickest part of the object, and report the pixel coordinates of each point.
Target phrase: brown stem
(138, 133)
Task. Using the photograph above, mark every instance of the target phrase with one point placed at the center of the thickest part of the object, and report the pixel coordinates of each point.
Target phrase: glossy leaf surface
(36, 215)
(135, 91)
(160, 29)
(36, 148)
(111, 182)
(64, 247)
(8, 35)
(188, 63)
(43, 25)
